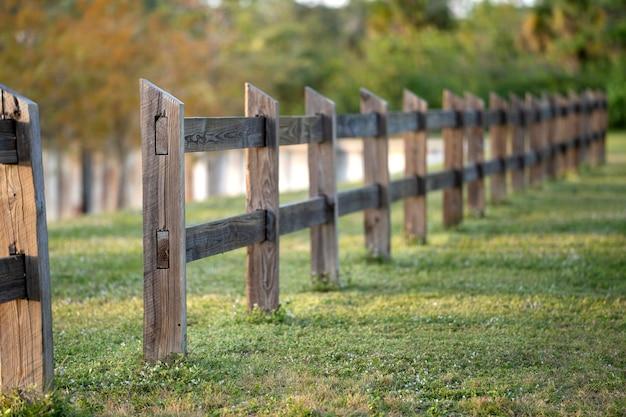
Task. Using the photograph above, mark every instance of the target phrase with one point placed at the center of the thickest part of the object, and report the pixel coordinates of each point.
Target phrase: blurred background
(81, 61)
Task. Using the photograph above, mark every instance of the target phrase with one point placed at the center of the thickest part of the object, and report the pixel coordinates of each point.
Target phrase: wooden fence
(533, 138)
(25, 316)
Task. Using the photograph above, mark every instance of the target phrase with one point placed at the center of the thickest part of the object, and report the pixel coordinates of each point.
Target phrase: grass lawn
(519, 313)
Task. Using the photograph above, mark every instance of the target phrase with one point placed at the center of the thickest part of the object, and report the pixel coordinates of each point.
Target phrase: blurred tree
(80, 59)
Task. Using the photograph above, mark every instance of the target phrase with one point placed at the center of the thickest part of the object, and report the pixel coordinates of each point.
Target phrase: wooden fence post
(544, 128)
(476, 155)
(579, 149)
(26, 357)
(262, 278)
(416, 164)
(323, 183)
(551, 135)
(534, 130)
(563, 134)
(498, 133)
(584, 128)
(518, 142)
(162, 149)
(376, 171)
(572, 152)
(453, 160)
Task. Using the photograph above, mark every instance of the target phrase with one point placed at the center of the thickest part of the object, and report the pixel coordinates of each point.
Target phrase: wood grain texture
(453, 160)
(415, 165)
(12, 278)
(224, 235)
(205, 134)
(377, 221)
(262, 285)
(8, 142)
(323, 183)
(26, 357)
(162, 147)
(475, 156)
(498, 141)
(296, 130)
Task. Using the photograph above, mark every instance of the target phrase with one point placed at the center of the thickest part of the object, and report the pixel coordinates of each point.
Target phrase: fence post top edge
(251, 88)
(20, 96)
(149, 85)
(311, 91)
(367, 94)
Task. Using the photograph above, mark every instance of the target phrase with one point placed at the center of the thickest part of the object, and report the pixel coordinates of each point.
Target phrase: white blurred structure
(209, 174)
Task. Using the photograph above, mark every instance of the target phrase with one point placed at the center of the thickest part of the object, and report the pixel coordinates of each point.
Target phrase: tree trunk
(86, 160)
(122, 200)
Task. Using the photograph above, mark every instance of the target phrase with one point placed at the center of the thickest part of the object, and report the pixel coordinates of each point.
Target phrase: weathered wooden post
(563, 134)
(26, 357)
(162, 150)
(518, 142)
(498, 133)
(544, 123)
(453, 160)
(583, 123)
(323, 183)
(476, 155)
(579, 148)
(535, 139)
(262, 275)
(572, 150)
(376, 171)
(415, 154)
(551, 135)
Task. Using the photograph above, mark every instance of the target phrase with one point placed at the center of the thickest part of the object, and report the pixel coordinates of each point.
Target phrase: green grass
(519, 313)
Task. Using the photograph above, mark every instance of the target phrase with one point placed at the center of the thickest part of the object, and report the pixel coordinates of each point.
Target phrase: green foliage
(81, 60)
(517, 313)
(29, 404)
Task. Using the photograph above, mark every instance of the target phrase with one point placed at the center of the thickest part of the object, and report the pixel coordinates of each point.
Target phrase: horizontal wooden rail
(224, 235)
(239, 231)
(235, 232)
(8, 142)
(12, 278)
(358, 199)
(357, 125)
(204, 134)
(305, 214)
(295, 130)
